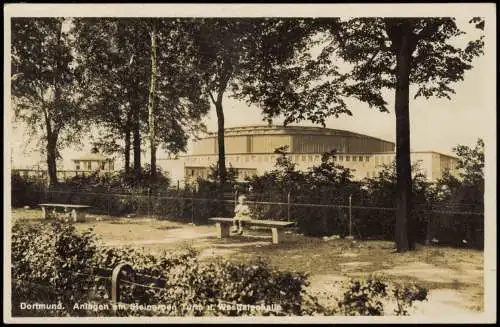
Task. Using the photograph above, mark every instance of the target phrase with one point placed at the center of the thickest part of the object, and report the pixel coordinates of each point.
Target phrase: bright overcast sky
(436, 124)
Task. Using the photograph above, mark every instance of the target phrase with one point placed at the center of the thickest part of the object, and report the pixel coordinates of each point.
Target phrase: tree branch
(211, 97)
(428, 30)
(372, 57)
(390, 29)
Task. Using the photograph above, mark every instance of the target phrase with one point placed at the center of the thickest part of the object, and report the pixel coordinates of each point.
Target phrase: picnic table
(223, 225)
(75, 211)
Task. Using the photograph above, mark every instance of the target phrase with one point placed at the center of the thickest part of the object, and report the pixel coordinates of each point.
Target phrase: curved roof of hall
(291, 129)
(92, 157)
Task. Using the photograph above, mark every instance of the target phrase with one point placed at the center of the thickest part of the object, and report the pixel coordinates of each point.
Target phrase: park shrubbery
(126, 193)
(122, 182)
(25, 190)
(373, 214)
(51, 263)
(438, 209)
(327, 183)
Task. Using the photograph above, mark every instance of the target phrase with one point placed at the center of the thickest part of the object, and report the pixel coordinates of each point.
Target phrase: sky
(436, 124)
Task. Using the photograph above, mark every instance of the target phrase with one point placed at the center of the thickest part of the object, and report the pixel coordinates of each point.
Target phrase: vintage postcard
(236, 163)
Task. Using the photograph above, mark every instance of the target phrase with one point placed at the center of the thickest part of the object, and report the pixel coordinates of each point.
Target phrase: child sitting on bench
(241, 214)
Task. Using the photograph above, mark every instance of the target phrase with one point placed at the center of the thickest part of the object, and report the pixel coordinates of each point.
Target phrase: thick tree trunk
(152, 127)
(127, 150)
(51, 159)
(137, 140)
(128, 139)
(51, 129)
(221, 165)
(403, 164)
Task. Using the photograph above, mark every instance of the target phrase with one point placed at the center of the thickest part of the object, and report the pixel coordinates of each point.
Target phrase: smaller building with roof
(93, 161)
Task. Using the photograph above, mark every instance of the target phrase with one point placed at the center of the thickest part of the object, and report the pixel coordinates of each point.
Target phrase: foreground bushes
(57, 260)
(51, 263)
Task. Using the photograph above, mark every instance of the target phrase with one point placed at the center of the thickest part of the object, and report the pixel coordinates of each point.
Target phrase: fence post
(116, 279)
(350, 217)
(288, 206)
(235, 197)
(192, 206)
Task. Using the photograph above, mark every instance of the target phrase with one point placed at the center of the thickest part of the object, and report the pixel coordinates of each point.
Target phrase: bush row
(434, 214)
(25, 190)
(183, 206)
(434, 206)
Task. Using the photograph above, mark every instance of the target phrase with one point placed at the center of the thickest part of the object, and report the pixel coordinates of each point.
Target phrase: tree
(471, 164)
(232, 53)
(116, 55)
(390, 53)
(108, 52)
(394, 53)
(464, 193)
(151, 100)
(468, 187)
(179, 103)
(175, 103)
(45, 84)
(329, 174)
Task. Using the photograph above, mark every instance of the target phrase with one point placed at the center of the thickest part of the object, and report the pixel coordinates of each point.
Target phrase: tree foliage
(471, 164)
(290, 78)
(46, 92)
(233, 55)
(115, 54)
(114, 80)
(383, 53)
(468, 185)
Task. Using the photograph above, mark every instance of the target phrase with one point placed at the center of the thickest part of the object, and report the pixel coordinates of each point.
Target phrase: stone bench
(75, 211)
(223, 226)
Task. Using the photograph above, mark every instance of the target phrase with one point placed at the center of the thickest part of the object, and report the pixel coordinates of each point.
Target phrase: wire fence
(339, 214)
(122, 278)
(151, 204)
(115, 275)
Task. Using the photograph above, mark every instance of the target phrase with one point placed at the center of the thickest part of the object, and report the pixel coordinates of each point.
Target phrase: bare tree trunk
(52, 130)
(127, 150)
(137, 140)
(51, 158)
(403, 164)
(152, 127)
(220, 141)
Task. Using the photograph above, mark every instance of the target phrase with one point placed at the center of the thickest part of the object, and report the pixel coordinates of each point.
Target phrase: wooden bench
(75, 211)
(223, 226)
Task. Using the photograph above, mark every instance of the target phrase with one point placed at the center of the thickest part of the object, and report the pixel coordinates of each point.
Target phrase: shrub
(372, 297)
(63, 266)
(121, 182)
(46, 260)
(327, 183)
(25, 190)
(363, 298)
(57, 258)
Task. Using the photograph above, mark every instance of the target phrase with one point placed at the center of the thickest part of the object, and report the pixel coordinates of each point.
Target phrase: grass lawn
(454, 276)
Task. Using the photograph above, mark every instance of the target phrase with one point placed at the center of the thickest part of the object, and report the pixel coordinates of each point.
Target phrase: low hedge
(50, 264)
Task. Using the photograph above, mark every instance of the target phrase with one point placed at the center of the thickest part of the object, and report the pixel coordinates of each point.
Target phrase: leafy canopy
(45, 82)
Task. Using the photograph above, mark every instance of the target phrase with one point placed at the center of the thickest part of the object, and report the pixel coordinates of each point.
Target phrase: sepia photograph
(241, 163)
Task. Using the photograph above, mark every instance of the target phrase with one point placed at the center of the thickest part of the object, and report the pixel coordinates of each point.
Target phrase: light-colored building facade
(93, 162)
(250, 150)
